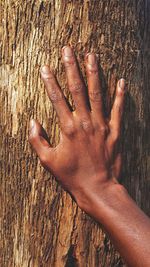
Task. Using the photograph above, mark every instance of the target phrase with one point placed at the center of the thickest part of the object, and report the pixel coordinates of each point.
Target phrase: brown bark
(41, 226)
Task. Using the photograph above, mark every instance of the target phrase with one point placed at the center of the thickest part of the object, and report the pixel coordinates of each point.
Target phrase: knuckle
(95, 96)
(103, 129)
(120, 93)
(86, 125)
(69, 61)
(55, 95)
(76, 88)
(47, 76)
(69, 128)
(92, 70)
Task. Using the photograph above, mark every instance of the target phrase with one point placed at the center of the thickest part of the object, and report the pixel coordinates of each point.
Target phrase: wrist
(97, 200)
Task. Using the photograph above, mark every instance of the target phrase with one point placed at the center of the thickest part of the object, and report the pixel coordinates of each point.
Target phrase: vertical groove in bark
(41, 226)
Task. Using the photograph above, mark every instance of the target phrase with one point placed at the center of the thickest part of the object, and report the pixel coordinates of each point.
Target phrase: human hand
(85, 159)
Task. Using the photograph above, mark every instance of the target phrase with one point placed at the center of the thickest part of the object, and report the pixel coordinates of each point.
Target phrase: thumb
(39, 140)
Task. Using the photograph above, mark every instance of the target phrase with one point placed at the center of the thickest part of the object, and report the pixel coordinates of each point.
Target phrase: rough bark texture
(40, 224)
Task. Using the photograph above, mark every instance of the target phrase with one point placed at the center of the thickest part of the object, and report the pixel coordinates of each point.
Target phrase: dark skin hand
(86, 162)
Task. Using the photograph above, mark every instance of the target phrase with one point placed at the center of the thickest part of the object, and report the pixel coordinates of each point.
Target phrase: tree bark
(41, 226)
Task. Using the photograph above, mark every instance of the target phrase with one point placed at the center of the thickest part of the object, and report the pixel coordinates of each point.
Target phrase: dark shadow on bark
(71, 257)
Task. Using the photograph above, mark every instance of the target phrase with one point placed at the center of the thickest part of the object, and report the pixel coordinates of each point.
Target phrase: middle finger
(75, 84)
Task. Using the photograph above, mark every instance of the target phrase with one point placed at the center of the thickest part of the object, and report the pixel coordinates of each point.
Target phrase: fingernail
(45, 69)
(91, 58)
(122, 84)
(32, 124)
(67, 50)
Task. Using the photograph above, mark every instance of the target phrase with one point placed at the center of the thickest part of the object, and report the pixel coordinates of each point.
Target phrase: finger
(39, 141)
(75, 83)
(116, 114)
(55, 94)
(94, 86)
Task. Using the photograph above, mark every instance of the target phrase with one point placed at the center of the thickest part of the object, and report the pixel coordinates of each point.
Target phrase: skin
(86, 161)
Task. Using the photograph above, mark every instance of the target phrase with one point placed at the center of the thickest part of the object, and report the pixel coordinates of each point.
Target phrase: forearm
(126, 224)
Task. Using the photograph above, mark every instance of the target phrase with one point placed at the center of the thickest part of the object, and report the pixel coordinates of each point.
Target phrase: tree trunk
(41, 225)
